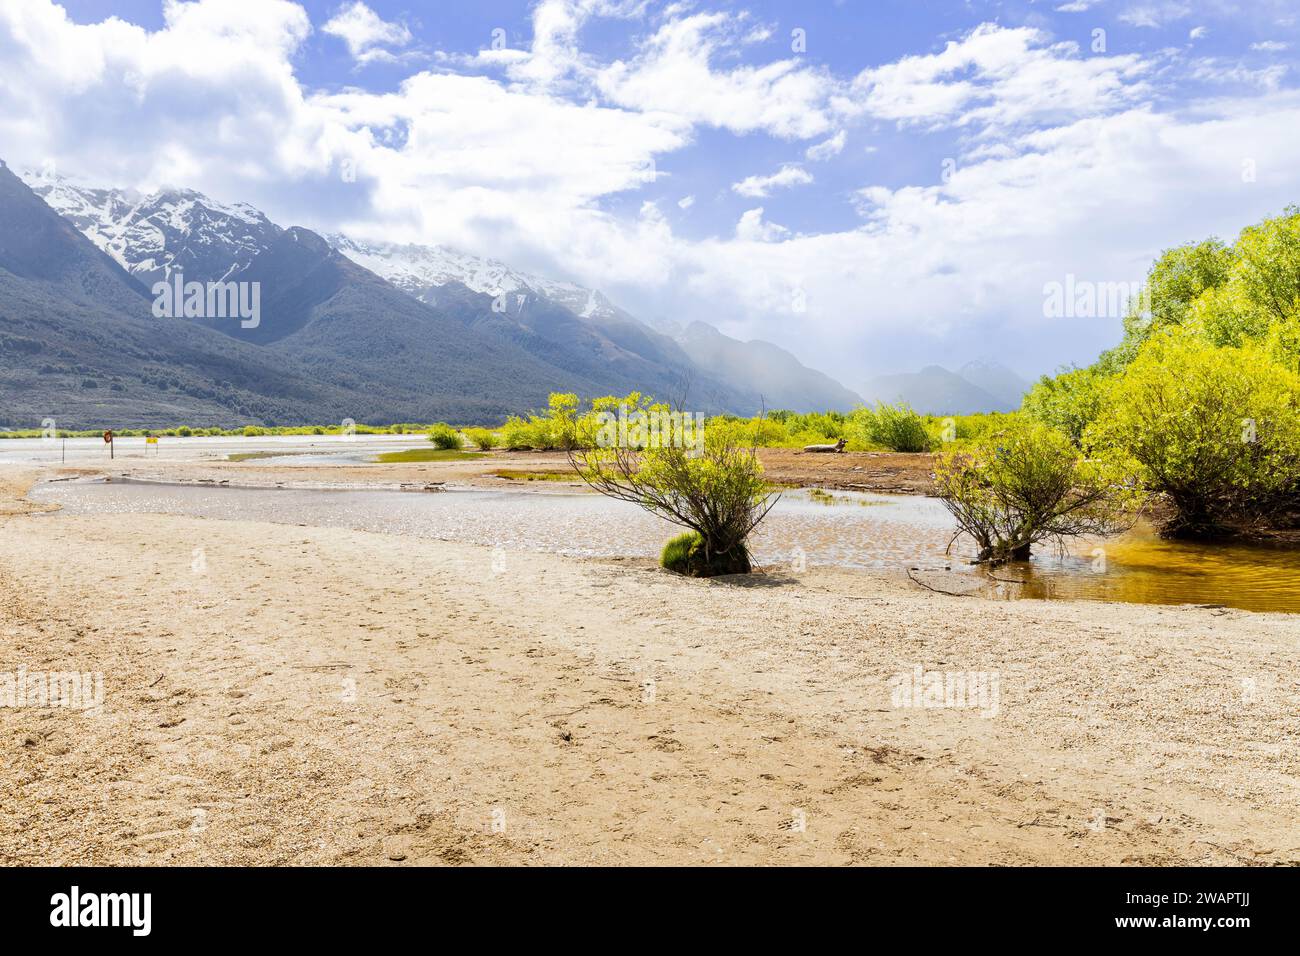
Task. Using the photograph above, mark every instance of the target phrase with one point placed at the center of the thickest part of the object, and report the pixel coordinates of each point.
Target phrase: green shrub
(444, 436)
(1027, 484)
(896, 427)
(717, 491)
(762, 432)
(483, 439)
(1068, 402)
(518, 434)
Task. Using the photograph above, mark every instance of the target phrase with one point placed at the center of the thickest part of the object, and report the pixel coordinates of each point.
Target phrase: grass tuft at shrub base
(685, 554)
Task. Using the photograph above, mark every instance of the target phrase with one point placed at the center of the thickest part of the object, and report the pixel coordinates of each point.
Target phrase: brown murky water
(845, 530)
(1143, 568)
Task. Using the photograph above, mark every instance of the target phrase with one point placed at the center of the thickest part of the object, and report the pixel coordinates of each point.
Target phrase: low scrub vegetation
(444, 436)
(895, 427)
(484, 439)
(556, 428)
(514, 474)
(189, 431)
(1027, 485)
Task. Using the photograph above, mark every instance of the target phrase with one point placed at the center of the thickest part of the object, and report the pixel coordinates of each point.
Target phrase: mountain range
(376, 332)
(980, 386)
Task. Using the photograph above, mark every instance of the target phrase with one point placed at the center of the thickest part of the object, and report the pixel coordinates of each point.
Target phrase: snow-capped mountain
(577, 332)
(419, 269)
(151, 235)
(764, 371)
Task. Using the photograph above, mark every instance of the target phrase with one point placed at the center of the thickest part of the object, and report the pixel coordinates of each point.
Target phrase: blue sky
(896, 190)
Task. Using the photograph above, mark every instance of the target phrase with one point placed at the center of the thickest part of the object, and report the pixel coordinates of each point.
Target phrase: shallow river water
(849, 530)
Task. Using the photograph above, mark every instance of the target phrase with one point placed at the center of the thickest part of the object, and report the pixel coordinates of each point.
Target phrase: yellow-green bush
(444, 436)
(483, 439)
(1215, 429)
(1026, 484)
(896, 427)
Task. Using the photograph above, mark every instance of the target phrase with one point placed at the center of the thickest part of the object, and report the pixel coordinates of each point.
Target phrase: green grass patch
(681, 553)
(255, 455)
(428, 454)
(823, 497)
(514, 475)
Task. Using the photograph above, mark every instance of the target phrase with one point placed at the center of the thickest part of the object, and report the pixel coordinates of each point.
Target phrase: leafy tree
(1175, 281)
(1216, 430)
(1262, 289)
(1267, 271)
(563, 420)
(1226, 294)
(1025, 485)
(1283, 343)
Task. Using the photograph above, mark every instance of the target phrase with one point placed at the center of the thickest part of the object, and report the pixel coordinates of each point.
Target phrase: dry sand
(280, 694)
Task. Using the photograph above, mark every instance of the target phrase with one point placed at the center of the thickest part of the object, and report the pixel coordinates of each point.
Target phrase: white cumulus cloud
(788, 175)
(752, 227)
(367, 35)
(826, 148)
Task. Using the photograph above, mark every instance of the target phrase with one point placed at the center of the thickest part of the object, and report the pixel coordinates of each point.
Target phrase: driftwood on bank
(837, 447)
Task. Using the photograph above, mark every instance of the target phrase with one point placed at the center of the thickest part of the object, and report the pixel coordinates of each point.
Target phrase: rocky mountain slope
(415, 332)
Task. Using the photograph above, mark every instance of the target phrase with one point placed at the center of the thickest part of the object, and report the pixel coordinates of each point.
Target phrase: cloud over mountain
(986, 161)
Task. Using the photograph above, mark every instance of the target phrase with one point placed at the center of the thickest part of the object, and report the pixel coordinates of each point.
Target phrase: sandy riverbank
(851, 471)
(280, 694)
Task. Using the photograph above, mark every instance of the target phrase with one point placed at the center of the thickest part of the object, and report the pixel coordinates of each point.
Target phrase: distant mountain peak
(760, 370)
(583, 338)
(419, 269)
(982, 385)
(995, 378)
(151, 235)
